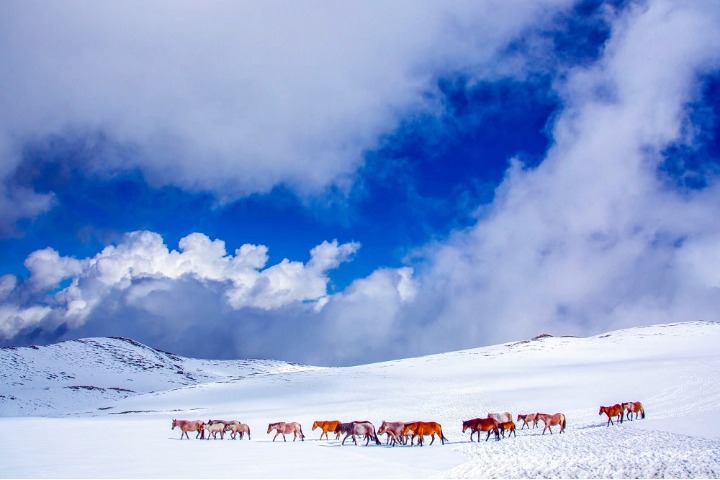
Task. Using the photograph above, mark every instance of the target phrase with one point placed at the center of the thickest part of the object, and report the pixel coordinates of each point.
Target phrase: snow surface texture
(100, 432)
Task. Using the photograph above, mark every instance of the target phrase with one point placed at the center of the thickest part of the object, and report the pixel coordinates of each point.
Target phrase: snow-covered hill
(89, 374)
(671, 368)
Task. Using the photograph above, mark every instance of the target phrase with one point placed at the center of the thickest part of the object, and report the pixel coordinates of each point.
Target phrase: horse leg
(486, 438)
(346, 437)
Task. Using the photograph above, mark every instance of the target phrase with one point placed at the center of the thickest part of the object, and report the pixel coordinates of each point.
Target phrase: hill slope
(87, 374)
(671, 368)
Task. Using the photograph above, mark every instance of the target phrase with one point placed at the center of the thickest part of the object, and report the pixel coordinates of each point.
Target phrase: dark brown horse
(482, 425)
(281, 428)
(616, 410)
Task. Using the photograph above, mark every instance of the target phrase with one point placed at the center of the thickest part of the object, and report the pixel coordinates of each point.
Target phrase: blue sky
(412, 178)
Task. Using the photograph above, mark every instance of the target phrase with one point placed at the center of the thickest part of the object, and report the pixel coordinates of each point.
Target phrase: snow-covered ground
(50, 430)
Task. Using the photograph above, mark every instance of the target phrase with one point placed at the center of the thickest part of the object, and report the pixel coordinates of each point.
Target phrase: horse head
(381, 430)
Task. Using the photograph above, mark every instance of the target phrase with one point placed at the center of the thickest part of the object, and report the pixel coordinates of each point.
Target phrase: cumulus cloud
(232, 98)
(142, 266)
(593, 238)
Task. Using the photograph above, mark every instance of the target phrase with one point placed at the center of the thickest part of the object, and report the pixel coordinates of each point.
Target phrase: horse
(421, 429)
(189, 426)
(527, 419)
(507, 426)
(482, 425)
(362, 428)
(501, 417)
(615, 410)
(281, 428)
(550, 420)
(236, 428)
(214, 428)
(394, 431)
(326, 426)
(634, 407)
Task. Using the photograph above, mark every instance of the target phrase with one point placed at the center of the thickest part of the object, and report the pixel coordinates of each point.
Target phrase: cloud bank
(597, 236)
(231, 98)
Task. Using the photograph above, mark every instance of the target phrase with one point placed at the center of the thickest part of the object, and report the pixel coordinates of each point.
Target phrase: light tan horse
(327, 426)
(550, 420)
(394, 432)
(634, 407)
(501, 417)
(527, 419)
(281, 428)
(189, 426)
(214, 428)
(236, 427)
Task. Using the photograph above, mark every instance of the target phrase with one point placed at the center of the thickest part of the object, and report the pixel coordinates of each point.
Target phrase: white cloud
(593, 238)
(233, 97)
(142, 265)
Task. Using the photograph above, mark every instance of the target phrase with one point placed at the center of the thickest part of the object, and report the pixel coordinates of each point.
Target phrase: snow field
(671, 369)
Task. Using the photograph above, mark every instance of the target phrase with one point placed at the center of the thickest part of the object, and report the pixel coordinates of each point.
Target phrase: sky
(348, 182)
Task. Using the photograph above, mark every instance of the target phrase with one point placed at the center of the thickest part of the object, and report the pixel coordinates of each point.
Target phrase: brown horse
(482, 425)
(326, 426)
(394, 431)
(634, 407)
(510, 426)
(281, 428)
(550, 420)
(616, 410)
(361, 428)
(189, 426)
(236, 428)
(429, 428)
(527, 419)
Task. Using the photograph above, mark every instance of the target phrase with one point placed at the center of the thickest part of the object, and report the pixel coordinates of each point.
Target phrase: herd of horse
(620, 409)
(404, 433)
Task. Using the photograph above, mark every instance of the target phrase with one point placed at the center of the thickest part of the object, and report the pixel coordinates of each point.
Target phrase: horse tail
(302, 435)
(563, 424)
(442, 437)
(642, 411)
(377, 440)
